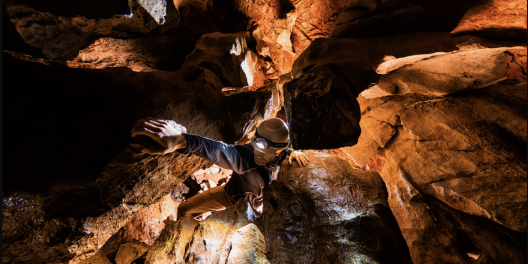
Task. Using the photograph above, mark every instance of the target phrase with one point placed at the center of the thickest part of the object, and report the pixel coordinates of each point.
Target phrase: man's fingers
(153, 151)
(161, 122)
(298, 161)
(305, 159)
(157, 123)
(153, 128)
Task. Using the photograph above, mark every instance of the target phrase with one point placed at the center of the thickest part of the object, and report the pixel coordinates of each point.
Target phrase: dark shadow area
(385, 19)
(11, 39)
(87, 8)
(61, 123)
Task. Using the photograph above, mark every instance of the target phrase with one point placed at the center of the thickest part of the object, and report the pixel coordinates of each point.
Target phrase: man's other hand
(167, 133)
(300, 157)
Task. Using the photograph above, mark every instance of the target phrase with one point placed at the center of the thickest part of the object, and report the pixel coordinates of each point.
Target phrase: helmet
(271, 136)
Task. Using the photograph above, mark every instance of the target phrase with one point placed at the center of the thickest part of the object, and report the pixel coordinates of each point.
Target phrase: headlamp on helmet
(263, 143)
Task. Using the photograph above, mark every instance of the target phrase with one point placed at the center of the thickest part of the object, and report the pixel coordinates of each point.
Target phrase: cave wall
(413, 115)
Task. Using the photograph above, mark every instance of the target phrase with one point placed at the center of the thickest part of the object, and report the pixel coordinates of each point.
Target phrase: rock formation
(412, 113)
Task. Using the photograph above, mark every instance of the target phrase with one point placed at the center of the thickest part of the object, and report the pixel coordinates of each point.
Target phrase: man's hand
(300, 157)
(166, 133)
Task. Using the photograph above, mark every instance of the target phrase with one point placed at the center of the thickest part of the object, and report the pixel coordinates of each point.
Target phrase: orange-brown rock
(61, 38)
(283, 30)
(356, 59)
(455, 152)
(140, 55)
(228, 236)
(496, 19)
(439, 74)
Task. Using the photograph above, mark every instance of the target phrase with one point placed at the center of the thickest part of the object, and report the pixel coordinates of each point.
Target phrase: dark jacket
(248, 179)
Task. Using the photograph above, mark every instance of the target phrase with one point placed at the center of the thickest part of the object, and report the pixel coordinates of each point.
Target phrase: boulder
(329, 212)
(454, 168)
(356, 59)
(228, 236)
(439, 74)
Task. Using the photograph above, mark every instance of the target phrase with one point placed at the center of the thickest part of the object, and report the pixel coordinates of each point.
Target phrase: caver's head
(270, 138)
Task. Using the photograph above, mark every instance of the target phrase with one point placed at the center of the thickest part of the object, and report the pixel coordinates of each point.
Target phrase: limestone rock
(283, 30)
(146, 54)
(497, 19)
(439, 74)
(212, 175)
(139, 233)
(228, 236)
(328, 212)
(61, 38)
(456, 152)
(222, 54)
(156, 14)
(356, 59)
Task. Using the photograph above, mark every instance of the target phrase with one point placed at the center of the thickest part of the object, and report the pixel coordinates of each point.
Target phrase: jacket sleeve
(222, 154)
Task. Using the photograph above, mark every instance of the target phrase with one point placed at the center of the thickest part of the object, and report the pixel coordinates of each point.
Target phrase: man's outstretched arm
(171, 138)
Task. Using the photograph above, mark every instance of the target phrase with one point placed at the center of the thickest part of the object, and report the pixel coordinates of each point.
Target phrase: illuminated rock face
(451, 163)
(228, 236)
(422, 103)
(497, 19)
(284, 29)
(329, 212)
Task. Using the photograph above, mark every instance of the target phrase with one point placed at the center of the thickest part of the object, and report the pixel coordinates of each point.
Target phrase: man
(254, 165)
